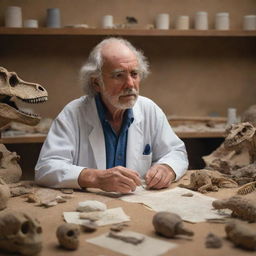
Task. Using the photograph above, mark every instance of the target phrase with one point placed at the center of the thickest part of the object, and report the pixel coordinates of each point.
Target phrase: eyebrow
(123, 71)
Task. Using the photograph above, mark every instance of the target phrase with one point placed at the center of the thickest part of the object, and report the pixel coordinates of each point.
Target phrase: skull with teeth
(11, 86)
(242, 135)
(20, 233)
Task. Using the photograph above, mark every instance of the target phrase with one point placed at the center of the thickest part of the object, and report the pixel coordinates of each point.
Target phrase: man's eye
(118, 75)
(134, 74)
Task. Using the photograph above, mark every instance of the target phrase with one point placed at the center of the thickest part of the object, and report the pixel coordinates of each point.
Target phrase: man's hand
(116, 179)
(159, 176)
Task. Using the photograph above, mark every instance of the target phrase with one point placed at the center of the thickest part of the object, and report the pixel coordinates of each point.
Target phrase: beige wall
(189, 75)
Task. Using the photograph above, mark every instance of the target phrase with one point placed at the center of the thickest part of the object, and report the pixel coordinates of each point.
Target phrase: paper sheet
(150, 246)
(110, 216)
(197, 208)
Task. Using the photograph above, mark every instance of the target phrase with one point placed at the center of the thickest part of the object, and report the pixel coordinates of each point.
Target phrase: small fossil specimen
(247, 188)
(213, 241)
(89, 227)
(68, 235)
(241, 235)
(92, 216)
(127, 238)
(169, 225)
(91, 206)
(205, 180)
(188, 194)
(243, 208)
(118, 227)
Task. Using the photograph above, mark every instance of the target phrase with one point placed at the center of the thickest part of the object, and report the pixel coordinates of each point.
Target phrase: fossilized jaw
(11, 86)
(239, 133)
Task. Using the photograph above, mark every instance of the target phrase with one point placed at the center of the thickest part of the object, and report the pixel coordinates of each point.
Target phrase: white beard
(114, 100)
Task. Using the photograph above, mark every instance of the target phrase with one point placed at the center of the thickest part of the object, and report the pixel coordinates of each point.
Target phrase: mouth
(8, 100)
(128, 96)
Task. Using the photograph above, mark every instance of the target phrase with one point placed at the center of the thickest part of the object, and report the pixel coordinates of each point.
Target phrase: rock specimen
(91, 206)
(68, 236)
(169, 225)
(241, 235)
(243, 208)
(20, 233)
(135, 239)
(213, 241)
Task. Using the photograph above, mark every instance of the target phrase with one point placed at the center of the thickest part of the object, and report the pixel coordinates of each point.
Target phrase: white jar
(30, 23)
(222, 21)
(13, 17)
(232, 118)
(107, 21)
(163, 21)
(182, 22)
(201, 21)
(249, 22)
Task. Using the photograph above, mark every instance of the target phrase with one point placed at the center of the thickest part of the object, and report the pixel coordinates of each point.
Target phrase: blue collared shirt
(115, 144)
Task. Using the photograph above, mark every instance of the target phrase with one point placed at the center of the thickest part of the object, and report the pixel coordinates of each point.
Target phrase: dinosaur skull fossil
(11, 86)
(239, 133)
(20, 233)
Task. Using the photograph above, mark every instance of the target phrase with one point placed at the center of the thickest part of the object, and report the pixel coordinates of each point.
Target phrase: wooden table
(141, 221)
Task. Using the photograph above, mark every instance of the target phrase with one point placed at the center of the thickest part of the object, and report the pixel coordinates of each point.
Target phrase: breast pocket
(144, 164)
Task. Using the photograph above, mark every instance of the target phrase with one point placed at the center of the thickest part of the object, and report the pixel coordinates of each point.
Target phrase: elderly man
(111, 138)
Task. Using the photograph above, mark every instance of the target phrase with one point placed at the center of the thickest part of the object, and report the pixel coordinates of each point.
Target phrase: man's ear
(96, 84)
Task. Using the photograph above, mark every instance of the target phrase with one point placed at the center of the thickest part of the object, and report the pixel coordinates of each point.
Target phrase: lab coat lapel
(134, 142)
(97, 141)
(96, 136)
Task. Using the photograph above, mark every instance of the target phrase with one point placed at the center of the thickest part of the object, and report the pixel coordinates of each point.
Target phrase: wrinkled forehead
(116, 54)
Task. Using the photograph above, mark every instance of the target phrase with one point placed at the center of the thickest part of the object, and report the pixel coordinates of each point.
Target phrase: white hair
(92, 67)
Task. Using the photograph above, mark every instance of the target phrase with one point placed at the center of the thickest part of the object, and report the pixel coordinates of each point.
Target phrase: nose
(130, 81)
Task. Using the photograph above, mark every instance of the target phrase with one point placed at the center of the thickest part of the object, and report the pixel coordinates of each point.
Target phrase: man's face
(121, 79)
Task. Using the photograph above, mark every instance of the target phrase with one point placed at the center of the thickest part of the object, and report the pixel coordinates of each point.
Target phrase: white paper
(150, 246)
(197, 208)
(110, 216)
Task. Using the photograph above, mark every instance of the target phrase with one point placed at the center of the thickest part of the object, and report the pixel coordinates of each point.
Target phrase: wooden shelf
(123, 32)
(39, 138)
(30, 138)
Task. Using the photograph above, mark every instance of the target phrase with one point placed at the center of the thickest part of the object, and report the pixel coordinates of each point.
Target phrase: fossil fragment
(10, 170)
(89, 227)
(18, 191)
(205, 180)
(92, 216)
(20, 233)
(247, 188)
(243, 208)
(4, 194)
(118, 227)
(67, 190)
(169, 225)
(91, 206)
(241, 235)
(188, 194)
(213, 241)
(68, 235)
(127, 237)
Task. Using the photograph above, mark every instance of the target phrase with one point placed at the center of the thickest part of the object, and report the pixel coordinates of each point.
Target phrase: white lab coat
(76, 141)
